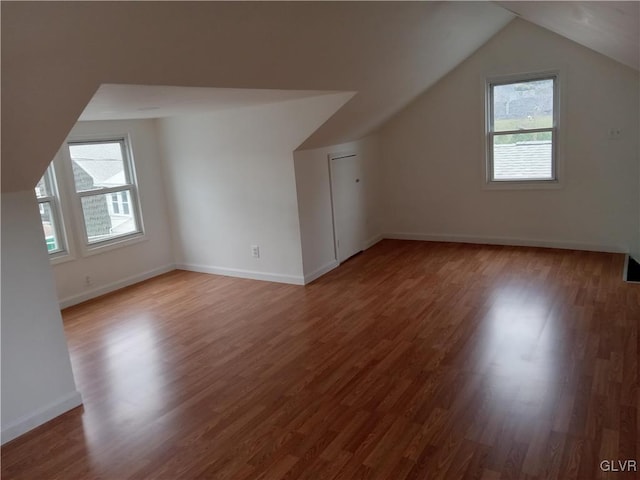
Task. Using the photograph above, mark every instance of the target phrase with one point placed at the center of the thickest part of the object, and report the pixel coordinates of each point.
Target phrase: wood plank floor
(411, 361)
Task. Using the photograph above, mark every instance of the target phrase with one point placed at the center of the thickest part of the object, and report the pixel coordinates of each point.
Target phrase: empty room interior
(337, 240)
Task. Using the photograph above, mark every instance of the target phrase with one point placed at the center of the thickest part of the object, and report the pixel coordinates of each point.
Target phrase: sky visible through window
(96, 151)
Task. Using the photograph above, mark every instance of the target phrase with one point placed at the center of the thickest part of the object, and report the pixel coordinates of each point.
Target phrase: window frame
(53, 199)
(489, 133)
(131, 186)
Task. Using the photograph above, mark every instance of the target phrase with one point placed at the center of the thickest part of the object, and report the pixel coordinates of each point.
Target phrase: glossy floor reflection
(413, 360)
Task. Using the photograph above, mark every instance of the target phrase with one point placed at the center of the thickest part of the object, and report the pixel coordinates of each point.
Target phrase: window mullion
(105, 190)
(523, 131)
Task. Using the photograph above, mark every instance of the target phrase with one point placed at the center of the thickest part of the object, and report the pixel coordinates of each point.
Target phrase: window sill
(90, 250)
(523, 185)
(57, 259)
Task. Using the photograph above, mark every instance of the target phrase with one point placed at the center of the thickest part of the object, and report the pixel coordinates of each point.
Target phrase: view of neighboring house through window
(104, 182)
(522, 129)
(49, 205)
(119, 203)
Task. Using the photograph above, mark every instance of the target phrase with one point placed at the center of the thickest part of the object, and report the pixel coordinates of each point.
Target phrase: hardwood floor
(411, 361)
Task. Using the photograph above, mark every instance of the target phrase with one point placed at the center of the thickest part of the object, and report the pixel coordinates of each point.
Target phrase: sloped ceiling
(126, 102)
(609, 28)
(55, 55)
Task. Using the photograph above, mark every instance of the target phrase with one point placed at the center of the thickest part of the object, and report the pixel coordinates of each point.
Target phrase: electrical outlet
(255, 251)
(614, 133)
(87, 281)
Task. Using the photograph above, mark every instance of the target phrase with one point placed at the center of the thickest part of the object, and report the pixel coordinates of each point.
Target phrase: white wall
(231, 184)
(433, 153)
(314, 202)
(112, 269)
(37, 381)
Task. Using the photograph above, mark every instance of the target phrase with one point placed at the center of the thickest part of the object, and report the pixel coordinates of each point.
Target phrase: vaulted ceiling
(128, 102)
(609, 28)
(56, 55)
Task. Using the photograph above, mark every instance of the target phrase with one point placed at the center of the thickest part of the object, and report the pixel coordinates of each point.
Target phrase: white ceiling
(609, 28)
(56, 55)
(386, 52)
(122, 102)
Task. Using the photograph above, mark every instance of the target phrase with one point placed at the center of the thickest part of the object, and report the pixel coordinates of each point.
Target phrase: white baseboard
(250, 274)
(372, 241)
(40, 416)
(334, 263)
(509, 241)
(320, 271)
(111, 287)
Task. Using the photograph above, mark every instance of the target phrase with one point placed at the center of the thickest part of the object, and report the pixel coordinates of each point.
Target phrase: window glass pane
(49, 227)
(97, 165)
(114, 203)
(517, 157)
(103, 222)
(125, 202)
(42, 188)
(523, 105)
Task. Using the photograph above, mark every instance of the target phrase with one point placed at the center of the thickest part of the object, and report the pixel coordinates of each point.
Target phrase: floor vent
(631, 270)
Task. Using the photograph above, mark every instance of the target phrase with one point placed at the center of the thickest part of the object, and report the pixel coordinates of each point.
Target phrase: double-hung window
(49, 205)
(522, 129)
(100, 197)
(104, 182)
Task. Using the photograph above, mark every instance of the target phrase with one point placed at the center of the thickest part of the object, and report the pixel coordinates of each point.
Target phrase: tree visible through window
(522, 129)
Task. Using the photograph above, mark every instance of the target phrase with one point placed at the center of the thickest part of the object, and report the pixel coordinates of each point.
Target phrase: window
(124, 202)
(49, 205)
(99, 173)
(105, 185)
(119, 203)
(115, 206)
(522, 122)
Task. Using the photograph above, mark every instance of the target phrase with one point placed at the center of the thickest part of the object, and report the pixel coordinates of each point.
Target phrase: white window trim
(114, 244)
(53, 199)
(72, 202)
(558, 141)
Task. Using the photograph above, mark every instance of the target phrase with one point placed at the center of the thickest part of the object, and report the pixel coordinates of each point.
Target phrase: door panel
(347, 189)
